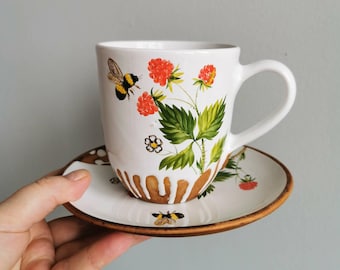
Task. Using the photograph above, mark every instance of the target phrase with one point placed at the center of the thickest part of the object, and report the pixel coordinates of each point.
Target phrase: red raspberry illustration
(207, 75)
(146, 105)
(248, 185)
(160, 70)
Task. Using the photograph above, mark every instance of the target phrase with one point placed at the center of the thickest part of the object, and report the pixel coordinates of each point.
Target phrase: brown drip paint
(152, 187)
(194, 230)
(182, 185)
(200, 182)
(122, 180)
(128, 183)
(136, 180)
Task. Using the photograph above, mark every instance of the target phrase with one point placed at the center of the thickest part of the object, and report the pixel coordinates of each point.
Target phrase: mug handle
(266, 124)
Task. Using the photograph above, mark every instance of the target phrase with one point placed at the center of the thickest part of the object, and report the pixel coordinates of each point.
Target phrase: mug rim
(165, 45)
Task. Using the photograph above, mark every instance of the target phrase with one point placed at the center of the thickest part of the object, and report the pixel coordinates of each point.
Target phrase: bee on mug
(168, 218)
(124, 83)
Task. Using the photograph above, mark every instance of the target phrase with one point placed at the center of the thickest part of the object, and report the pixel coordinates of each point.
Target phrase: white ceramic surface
(107, 203)
(167, 109)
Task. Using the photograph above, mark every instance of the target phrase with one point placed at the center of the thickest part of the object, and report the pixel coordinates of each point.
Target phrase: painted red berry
(160, 70)
(207, 75)
(146, 105)
(248, 185)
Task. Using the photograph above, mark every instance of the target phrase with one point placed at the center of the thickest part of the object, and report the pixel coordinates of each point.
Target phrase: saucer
(231, 204)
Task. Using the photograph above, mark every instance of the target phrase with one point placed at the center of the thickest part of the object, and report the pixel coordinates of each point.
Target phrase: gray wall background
(49, 112)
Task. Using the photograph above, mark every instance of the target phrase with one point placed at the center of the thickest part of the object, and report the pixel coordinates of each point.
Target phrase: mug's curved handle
(237, 140)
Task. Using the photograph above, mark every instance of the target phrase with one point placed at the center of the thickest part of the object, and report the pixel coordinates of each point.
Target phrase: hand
(27, 241)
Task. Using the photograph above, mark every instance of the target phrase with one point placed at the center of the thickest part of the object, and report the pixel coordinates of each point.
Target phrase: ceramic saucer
(261, 185)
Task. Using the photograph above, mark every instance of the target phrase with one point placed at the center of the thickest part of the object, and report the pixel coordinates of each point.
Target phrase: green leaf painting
(210, 121)
(216, 151)
(192, 136)
(233, 170)
(184, 158)
(178, 125)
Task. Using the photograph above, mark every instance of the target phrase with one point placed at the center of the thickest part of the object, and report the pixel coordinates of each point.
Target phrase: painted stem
(194, 105)
(203, 155)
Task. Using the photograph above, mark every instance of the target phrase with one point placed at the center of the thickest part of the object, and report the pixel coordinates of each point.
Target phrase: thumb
(34, 202)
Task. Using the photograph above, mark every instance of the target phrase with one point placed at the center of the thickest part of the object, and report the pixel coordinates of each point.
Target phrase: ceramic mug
(166, 111)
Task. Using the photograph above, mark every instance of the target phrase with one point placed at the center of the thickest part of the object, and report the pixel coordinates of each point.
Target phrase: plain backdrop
(49, 112)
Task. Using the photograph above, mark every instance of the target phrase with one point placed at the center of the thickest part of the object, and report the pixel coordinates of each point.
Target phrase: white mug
(167, 109)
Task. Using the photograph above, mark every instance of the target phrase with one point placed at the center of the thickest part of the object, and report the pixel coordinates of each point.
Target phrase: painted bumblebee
(124, 83)
(168, 218)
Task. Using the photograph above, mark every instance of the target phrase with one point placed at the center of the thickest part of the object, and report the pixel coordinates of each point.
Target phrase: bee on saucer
(124, 83)
(168, 218)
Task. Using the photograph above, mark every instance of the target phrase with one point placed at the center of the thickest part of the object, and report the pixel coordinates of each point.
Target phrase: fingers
(101, 252)
(72, 235)
(40, 252)
(67, 229)
(32, 203)
(56, 172)
(69, 249)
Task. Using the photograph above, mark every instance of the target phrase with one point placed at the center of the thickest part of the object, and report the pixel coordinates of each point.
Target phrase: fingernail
(77, 175)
